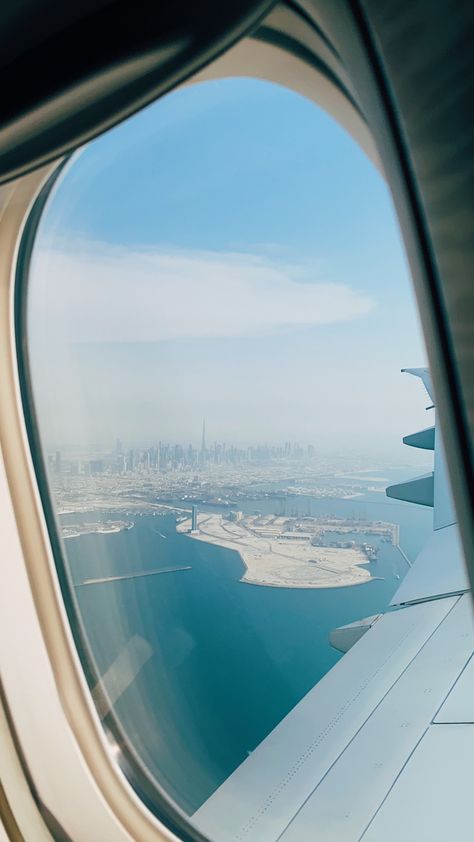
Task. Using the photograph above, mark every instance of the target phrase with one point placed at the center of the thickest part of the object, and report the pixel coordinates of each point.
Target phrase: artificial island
(290, 552)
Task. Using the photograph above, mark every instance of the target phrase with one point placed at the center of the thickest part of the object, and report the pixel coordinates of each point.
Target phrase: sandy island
(107, 527)
(281, 562)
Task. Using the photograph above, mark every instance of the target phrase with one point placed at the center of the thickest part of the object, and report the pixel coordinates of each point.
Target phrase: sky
(231, 254)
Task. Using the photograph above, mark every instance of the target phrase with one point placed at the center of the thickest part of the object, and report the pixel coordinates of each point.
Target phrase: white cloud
(96, 293)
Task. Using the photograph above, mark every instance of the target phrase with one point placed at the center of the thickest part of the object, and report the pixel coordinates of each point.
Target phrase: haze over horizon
(228, 253)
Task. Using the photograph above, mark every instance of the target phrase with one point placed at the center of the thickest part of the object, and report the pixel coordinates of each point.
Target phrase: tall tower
(203, 441)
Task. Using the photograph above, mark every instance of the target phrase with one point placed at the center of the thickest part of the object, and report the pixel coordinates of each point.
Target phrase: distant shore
(75, 530)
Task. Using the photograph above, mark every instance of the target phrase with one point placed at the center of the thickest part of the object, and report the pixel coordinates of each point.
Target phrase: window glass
(218, 312)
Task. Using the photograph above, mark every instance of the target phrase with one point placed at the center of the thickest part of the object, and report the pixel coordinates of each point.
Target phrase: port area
(104, 527)
(289, 552)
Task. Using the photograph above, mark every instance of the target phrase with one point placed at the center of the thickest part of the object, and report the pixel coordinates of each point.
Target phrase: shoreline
(260, 584)
(95, 528)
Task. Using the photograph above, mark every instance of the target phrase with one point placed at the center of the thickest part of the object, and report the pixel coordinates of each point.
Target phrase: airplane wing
(382, 748)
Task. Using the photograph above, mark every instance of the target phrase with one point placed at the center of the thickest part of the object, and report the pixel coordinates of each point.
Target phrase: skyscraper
(203, 441)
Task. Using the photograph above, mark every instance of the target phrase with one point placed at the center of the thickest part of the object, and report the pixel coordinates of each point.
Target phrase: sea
(226, 660)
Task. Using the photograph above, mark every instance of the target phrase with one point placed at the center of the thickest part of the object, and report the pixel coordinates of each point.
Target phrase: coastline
(97, 528)
(246, 581)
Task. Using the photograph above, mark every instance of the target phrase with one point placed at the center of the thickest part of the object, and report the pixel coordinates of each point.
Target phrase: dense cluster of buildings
(165, 457)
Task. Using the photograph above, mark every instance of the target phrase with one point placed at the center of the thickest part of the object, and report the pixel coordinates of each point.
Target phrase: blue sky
(229, 253)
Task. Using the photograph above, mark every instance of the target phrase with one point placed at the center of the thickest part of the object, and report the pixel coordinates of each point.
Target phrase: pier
(139, 575)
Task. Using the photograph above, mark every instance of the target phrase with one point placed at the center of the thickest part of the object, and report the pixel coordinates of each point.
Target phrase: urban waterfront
(228, 660)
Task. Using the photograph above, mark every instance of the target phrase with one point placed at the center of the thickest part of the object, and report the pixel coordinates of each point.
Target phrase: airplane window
(218, 312)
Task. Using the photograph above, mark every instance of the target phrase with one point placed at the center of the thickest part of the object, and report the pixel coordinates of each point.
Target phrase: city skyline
(126, 457)
(167, 456)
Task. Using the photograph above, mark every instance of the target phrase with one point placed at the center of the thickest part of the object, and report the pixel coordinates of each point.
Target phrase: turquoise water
(229, 659)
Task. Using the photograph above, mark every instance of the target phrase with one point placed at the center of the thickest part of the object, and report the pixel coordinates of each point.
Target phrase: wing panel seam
(278, 789)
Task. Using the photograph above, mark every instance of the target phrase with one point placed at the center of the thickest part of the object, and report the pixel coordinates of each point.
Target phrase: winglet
(425, 376)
